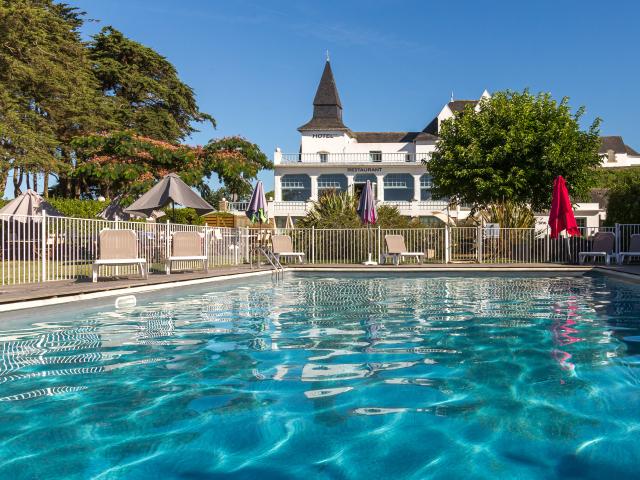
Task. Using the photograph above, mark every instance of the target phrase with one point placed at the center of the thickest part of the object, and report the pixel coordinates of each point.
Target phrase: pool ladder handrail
(272, 259)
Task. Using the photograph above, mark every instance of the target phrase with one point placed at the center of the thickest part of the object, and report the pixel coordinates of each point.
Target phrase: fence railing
(45, 248)
(349, 158)
(40, 249)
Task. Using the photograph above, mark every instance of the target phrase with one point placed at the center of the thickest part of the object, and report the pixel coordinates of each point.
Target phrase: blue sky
(255, 65)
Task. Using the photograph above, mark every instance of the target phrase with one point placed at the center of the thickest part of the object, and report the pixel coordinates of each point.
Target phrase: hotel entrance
(359, 182)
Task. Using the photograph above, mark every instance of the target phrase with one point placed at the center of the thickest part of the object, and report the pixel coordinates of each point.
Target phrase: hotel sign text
(323, 135)
(364, 169)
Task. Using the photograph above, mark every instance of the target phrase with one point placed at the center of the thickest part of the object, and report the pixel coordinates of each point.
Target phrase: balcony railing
(350, 158)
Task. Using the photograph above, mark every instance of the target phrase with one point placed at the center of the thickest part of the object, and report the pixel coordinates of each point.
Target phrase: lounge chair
(118, 247)
(633, 251)
(397, 250)
(602, 246)
(283, 247)
(185, 247)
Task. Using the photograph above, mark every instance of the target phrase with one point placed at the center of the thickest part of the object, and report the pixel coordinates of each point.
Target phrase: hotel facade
(334, 157)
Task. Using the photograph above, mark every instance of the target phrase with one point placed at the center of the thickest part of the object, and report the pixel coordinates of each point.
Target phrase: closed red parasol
(561, 216)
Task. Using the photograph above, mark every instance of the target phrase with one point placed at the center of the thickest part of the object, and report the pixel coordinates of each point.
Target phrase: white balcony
(410, 209)
(396, 158)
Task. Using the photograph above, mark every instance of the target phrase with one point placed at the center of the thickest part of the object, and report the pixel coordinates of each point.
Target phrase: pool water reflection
(332, 377)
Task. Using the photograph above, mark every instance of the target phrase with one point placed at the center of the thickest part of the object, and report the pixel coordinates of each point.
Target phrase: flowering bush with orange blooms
(125, 163)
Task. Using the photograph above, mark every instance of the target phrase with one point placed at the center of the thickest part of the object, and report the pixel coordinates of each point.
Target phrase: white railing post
(43, 246)
(547, 255)
(447, 244)
(479, 244)
(379, 239)
(167, 247)
(313, 244)
(617, 238)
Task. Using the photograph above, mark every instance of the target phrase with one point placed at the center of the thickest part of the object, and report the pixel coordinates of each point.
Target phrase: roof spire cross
(451, 96)
(327, 54)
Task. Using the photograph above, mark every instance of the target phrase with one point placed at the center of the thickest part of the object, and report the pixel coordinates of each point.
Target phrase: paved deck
(39, 291)
(62, 288)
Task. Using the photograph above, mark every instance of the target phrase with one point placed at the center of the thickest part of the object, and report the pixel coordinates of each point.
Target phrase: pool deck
(63, 288)
(18, 296)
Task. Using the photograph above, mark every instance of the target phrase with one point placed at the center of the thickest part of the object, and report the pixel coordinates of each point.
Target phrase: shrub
(338, 210)
(72, 207)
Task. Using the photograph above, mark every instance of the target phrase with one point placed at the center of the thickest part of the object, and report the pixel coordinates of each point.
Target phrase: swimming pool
(349, 376)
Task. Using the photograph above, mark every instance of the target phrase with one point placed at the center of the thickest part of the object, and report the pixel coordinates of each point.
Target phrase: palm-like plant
(509, 215)
(332, 210)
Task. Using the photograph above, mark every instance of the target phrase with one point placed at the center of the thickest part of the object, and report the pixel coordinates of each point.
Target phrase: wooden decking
(40, 291)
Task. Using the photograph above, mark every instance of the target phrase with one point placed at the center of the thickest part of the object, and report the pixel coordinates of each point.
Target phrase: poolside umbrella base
(370, 261)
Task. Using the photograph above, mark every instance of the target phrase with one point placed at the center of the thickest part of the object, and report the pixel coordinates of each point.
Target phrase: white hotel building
(333, 157)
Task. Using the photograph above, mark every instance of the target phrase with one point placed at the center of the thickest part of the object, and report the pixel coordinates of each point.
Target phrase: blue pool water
(330, 377)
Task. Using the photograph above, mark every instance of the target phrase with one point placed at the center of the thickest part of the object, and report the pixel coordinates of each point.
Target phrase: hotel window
(398, 187)
(295, 188)
(581, 222)
(324, 157)
(426, 185)
(375, 155)
(328, 182)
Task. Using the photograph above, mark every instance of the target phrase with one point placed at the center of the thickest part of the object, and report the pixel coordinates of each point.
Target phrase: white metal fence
(39, 249)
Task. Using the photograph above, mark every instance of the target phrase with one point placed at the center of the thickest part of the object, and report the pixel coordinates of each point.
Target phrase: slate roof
(614, 143)
(327, 107)
(327, 93)
(392, 137)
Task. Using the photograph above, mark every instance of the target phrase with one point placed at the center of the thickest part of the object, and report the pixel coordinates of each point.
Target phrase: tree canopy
(105, 117)
(143, 87)
(623, 205)
(511, 149)
(129, 164)
(48, 93)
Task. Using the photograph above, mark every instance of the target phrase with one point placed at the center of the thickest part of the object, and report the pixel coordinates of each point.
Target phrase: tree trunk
(4, 176)
(17, 180)
(45, 185)
(35, 181)
(28, 181)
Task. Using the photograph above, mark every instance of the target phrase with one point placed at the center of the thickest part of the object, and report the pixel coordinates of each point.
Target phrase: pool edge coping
(49, 301)
(78, 297)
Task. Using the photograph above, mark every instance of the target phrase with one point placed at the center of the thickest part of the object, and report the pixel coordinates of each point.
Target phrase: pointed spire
(327, 93)
(451, 96)
(327, 107)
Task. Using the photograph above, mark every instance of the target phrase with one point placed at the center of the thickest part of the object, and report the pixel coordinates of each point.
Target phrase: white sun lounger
(283, 247)
(633, 250)
(603, 244)
(118, 247)
(186, 247)
(397, 250)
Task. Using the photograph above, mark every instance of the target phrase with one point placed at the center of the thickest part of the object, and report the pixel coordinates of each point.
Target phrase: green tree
(236, 161)
(48, 92)
(624, 199)
(512, 149)
(148, 96)
(125, 163)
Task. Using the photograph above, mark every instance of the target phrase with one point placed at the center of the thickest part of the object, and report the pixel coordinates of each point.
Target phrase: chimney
(611, 156)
